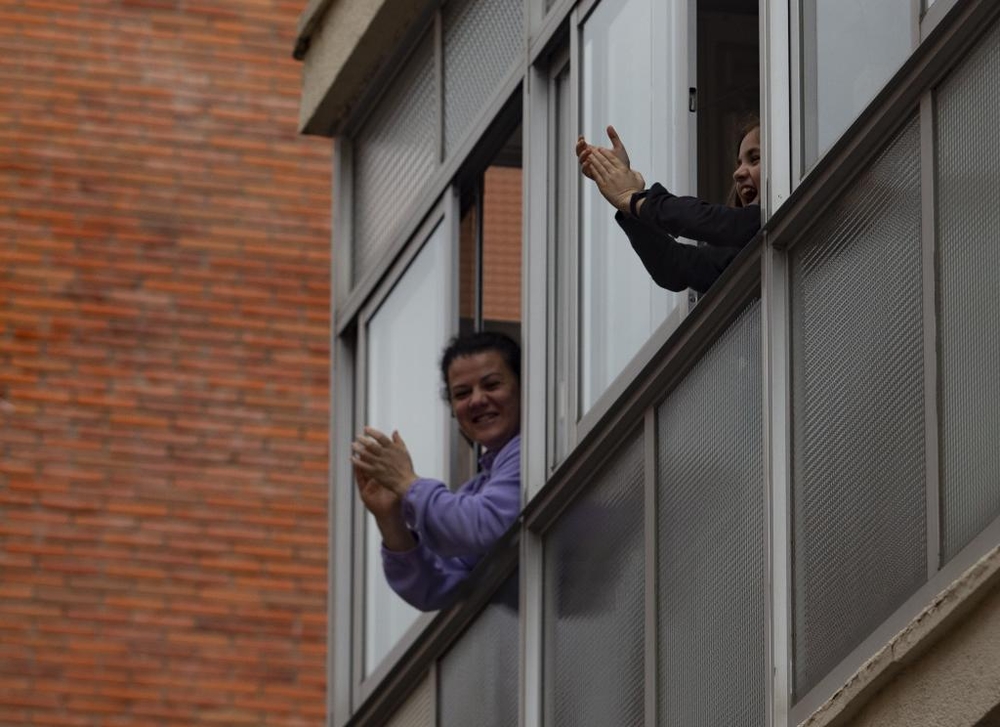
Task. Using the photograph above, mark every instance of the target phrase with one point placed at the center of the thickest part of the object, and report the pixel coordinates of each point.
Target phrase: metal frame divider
(928, 234)
(775, 348)
(340, 580)
(651, 592)
(432, 684)
(776, 104)
(935, 14)
(532, 614)
(534, 397)
(444, 214)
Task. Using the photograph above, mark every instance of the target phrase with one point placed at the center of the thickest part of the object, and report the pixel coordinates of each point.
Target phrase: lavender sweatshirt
(454, 529)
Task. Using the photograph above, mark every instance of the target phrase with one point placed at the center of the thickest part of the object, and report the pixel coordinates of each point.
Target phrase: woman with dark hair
(432, 537)
(653, 217)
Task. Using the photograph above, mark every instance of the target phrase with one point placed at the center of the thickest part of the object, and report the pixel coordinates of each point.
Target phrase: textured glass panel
(619, 305)
(594, 627)
(405, 338)
(482, 41)
(852, 48)
(858, 412)
(394, 153)
(711, 550)
(478, 677)
(968, 146)
(418, 710)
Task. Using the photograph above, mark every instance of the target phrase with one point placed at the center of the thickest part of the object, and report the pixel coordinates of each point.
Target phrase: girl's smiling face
(747, 174)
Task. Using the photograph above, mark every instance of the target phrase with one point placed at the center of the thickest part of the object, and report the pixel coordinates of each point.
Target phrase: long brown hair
(748, 122)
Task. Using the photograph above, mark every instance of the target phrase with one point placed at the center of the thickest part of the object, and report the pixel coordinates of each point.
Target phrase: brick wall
(164, 287)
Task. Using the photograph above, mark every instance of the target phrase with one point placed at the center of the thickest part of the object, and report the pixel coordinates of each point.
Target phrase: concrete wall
(943, 669)
(347, 43)
(955, 683)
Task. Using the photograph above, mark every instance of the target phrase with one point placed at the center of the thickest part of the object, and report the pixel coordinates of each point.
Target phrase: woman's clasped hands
(382, 467)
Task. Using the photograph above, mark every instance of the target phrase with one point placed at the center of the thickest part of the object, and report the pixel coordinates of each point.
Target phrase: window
(405, 335)
(851, 48)
(490, 244)
(622, 84)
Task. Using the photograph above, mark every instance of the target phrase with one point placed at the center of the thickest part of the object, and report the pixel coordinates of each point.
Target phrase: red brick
(167, 285)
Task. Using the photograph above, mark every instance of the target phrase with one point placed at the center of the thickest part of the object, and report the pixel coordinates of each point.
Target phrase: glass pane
(620, 305)
(711, 550)
(418, 709)
(399, 135)
(594, 601)
(858, 475)
(501, 294)
(852, 47)
(478, 677)
(968, 115)
(483, 39)
(405, 338)
(468, 267)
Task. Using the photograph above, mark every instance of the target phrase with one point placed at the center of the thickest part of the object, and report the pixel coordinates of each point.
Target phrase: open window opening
(490, 242)
(489, 245)
(728, 88)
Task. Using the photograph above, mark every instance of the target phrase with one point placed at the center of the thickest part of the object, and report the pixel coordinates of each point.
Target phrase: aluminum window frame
(804, 90)
(445, 214)
(559, 229)
(910, 90)
(683, 178)
(778, 76)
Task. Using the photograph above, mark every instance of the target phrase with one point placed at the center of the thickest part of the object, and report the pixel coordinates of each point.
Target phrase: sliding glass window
(850, 49)
(624, 83)
(405, 336)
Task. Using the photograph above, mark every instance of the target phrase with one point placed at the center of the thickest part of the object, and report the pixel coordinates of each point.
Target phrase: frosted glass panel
(858, 476)
(711, 550)
(968, 112)
(852, 47)
(405, 339)
(594, 594)
(478, 677)
(620, 305)
(418, 709)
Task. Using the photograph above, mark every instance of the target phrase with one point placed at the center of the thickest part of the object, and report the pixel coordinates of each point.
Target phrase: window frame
(679, 59)
(806, 91)
(443, 215)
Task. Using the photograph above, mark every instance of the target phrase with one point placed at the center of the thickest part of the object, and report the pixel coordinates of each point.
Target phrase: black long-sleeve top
(675, 266)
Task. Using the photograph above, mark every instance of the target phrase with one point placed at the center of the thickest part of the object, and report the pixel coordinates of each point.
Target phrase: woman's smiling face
(485, 398)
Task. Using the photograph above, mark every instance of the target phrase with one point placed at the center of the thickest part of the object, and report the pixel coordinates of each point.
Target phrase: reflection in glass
(852, 47)
(468, 269)
(594, 596)
(501, 249)
(405, 338)
(620, 305)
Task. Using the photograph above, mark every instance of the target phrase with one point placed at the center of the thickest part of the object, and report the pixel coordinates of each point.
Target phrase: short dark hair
(470, 343)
